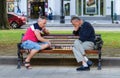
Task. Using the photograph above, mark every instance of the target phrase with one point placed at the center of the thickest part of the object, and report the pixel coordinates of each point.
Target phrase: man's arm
(87, 32)
(39, 36)
(76, 31)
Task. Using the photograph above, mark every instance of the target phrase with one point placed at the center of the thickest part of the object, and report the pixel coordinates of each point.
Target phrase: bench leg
(99, 60)
(20, 57)
(19, 61)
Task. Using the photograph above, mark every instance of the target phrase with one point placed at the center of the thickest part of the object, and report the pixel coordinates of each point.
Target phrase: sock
(84, 64)
(86, 59)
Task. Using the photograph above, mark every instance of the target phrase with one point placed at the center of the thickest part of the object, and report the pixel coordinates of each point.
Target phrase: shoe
(27, 65)
(90, 63)
(82, 68)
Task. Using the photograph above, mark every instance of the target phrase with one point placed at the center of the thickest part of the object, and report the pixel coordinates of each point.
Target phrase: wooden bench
(62, 44)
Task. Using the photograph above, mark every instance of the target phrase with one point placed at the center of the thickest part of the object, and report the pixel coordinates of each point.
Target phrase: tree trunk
(3, 15)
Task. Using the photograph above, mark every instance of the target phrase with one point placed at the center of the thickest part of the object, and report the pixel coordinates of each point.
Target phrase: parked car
(16, 21)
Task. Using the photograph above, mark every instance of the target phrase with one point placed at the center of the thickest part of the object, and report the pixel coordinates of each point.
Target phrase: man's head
(42, 21)
(76, 21)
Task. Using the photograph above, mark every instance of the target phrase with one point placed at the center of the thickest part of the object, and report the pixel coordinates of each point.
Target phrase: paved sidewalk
(57, 72)
(99, 25)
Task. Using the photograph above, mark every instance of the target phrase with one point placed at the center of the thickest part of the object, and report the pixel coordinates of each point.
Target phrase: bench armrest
(98, 42)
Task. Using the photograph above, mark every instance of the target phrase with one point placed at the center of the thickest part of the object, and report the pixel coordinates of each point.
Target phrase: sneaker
(82, 68)
(89, 63)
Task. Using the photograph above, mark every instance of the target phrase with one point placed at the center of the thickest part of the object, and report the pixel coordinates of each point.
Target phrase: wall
(117, 6)
(23, 6)
(55, 5)
(72, 7)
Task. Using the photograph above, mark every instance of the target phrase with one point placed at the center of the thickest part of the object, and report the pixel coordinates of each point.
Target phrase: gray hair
(41, 18)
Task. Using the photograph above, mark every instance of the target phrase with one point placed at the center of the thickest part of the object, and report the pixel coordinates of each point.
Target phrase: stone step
(12, 60)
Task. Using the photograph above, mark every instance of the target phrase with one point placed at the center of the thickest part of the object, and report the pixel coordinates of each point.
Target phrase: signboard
(91, 7)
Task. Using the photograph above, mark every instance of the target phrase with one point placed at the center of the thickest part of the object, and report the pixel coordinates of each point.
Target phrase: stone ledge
(106, 61)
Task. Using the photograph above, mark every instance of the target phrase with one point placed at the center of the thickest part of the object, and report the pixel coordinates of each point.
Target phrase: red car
(15, 20)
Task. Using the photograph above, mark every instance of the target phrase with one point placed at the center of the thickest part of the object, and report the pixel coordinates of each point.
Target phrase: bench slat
(59, 36)
(59, 51)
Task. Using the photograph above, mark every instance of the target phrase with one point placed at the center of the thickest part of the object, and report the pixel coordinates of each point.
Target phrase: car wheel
(14, 25)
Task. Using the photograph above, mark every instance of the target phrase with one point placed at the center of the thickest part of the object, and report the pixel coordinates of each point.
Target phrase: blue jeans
(50, 16)
(32, 45)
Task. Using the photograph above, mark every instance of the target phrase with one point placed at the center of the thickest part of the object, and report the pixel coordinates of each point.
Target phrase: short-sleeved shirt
(30, 35)
(30, 40)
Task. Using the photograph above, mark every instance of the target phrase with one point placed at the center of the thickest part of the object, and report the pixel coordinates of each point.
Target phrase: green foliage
(10, 36)
(111, 39)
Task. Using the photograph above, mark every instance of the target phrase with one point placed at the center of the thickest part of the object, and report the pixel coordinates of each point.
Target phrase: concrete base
(107, 61)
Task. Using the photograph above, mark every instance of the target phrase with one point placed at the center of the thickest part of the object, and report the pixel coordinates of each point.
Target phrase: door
(34, 12)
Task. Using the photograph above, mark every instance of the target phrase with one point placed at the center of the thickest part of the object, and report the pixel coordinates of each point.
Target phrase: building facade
(86, 9)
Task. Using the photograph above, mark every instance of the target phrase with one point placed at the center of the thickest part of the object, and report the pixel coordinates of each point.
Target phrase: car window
(9, 15)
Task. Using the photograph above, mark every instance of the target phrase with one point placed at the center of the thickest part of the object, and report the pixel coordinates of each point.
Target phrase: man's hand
(46, 31)
(49, 44)
(76, 28)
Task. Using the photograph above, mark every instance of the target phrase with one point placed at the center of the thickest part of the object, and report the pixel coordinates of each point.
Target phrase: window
(89, 7)
(67, 7)
(10, 6)
(101, 7)
(78, 7)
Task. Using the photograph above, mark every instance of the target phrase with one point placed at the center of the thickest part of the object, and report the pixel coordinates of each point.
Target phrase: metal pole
(62, 17)
(112, 17)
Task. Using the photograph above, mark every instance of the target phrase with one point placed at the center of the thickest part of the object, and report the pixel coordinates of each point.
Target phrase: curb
(106, 61)
(70, 25)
